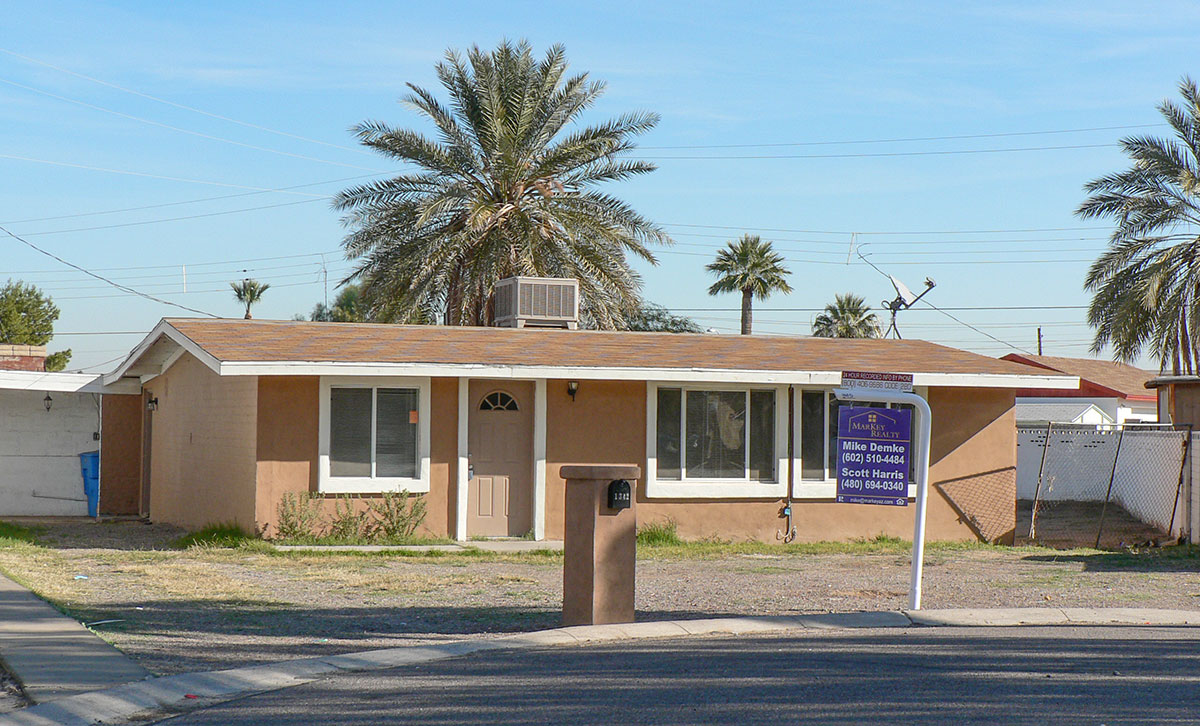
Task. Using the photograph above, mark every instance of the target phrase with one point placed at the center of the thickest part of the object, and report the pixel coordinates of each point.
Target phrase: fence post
(1108, 495)
(1037, 492)
(1187, 441)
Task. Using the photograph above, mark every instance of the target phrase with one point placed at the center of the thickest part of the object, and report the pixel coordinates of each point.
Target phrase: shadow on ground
(1035, 676)
(1182, 558)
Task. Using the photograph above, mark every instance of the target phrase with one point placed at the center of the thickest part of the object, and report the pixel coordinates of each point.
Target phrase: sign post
(874, 451)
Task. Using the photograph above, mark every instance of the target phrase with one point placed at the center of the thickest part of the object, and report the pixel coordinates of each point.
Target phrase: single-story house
(237, 413)
(1117, 389)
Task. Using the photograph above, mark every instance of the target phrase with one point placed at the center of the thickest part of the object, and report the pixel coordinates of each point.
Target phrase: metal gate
(1100, 486)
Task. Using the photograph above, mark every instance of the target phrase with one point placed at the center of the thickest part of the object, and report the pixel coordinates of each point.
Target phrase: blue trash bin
(89, 463)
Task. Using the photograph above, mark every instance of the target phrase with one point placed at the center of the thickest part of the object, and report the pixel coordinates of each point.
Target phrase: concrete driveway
(1013, 675)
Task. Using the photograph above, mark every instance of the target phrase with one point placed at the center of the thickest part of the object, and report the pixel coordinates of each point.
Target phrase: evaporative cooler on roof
(537, 302)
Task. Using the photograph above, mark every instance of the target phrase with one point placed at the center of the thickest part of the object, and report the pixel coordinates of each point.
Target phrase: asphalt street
(1016, 675)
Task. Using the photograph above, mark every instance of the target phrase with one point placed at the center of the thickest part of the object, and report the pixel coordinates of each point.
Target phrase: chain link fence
(1100, 486)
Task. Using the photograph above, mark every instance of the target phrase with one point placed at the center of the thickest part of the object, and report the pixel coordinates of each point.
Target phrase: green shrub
(397, 516)
(224, 534)
(347, 524)
(659, 534)
(298, 516)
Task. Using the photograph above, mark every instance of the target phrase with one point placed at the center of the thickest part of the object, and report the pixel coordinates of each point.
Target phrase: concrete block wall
(39, 452)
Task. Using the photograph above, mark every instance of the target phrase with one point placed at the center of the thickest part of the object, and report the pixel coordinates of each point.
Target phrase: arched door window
(498, 401)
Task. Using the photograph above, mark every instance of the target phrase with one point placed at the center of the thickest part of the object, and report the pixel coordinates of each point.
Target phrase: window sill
(367, 485)
(715, 489)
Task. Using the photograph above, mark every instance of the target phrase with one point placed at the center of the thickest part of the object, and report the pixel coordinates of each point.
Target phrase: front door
(500, 450)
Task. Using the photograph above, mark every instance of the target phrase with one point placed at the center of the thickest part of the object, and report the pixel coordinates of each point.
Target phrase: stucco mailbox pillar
(599, 544)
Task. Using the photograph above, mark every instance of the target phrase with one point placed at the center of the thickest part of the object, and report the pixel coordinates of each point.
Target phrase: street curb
(188, 691)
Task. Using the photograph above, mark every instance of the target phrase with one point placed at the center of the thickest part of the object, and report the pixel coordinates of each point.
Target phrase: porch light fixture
(152, 404)
(572, 389)
(47, 402)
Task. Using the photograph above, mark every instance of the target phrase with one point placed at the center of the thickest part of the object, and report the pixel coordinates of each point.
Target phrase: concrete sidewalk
(52, 655)
(160, 697)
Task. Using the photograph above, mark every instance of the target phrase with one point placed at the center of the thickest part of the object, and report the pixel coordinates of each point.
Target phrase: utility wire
(196, 201)
(178, 219)
(148, 175)
(193, 109)
(189, 264)
(169, 127)
(847, 233)
(89, 273)
(906, 140)
(871, 155)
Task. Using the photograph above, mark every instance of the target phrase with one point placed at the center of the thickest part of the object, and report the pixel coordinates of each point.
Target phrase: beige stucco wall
(973, 459)
(204, 437)
(287, 449)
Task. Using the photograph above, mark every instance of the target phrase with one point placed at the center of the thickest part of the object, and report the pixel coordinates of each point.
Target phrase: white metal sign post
(897, 388)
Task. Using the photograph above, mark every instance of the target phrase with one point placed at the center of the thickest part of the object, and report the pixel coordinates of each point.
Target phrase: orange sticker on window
(412, 417)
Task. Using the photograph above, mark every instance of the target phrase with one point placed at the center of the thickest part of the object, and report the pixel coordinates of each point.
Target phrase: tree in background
(507, 187)
(249, 293)
(848, 316)
(346, 308)
(1146, 285)
(657, 319)
(751, 267)
(27, 318)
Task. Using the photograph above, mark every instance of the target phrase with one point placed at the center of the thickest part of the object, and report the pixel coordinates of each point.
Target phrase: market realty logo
(874, 424)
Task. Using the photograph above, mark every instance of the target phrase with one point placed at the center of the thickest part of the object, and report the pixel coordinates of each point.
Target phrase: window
(374, 438)
(818, 426)
(712, 436)
(498, 401)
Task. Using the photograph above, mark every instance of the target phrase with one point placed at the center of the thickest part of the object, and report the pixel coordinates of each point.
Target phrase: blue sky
(719, 74)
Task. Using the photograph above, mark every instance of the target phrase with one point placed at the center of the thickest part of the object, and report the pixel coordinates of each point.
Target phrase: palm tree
(1146, 285)
(249, 292)
(846, 317)
(346, 308)
(751, 267)
(505, 188)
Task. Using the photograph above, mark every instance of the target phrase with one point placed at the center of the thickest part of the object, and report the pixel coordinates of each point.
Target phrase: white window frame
(327, 483)
(826, 489)
(692, 488)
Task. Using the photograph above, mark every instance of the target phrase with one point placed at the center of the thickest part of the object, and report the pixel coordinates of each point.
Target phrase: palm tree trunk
(747, 312)
(247, 311)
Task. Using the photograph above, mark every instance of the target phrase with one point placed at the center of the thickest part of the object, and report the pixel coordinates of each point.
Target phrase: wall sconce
(152, 404)
(572, 389)
(47, 402)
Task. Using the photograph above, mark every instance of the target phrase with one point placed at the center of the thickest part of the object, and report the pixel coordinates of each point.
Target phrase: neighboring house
(46, 421)
(1117, 389)
(1041, 411)
(238, 413)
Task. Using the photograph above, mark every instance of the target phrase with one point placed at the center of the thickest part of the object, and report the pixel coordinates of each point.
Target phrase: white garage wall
(39, 452)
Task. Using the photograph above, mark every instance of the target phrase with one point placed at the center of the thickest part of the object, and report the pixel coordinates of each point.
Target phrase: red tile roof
(236, 340)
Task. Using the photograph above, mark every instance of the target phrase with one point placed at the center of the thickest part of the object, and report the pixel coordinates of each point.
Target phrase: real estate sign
(873, 452)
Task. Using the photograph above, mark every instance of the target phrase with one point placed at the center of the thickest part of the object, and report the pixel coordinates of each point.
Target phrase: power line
(192, 201)
(193, 109)
(146, 175)
(178, 129)
(117, 285)
(189, 264)
(867, 155)
(906, 140)
(177, 219)
(847, 233)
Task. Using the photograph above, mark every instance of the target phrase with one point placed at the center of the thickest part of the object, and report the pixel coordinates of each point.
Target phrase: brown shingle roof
(230, 340)
(1125, 379)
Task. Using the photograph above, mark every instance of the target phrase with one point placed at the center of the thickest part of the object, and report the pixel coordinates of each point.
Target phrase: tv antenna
(904, 300)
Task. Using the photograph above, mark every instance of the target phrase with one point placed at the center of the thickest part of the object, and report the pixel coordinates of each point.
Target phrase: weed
(659, 534)
(397, 516)
(347, 524)
(215, 535)
(299, 515)
(14, 534)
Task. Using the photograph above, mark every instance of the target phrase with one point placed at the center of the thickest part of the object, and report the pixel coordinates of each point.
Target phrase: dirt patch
(11, 695)
(201, 609)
